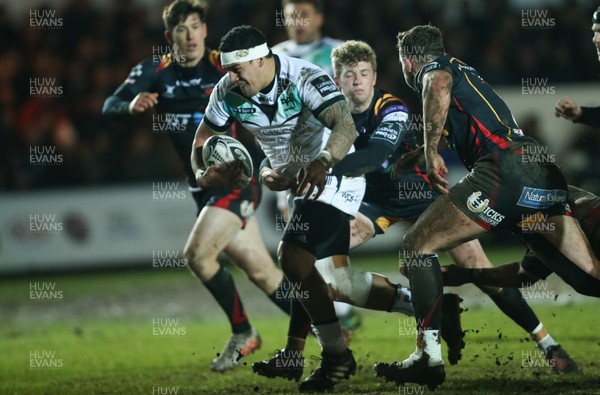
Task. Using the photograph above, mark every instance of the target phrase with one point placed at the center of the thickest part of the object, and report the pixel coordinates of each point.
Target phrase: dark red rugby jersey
(478, 122)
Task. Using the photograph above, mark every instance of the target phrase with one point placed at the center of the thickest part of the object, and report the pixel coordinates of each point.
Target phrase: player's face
(247, 76)
(188, 39)
(357, 82)
(596, 38)
(303, 22)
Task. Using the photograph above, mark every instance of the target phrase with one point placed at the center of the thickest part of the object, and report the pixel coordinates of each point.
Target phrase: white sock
(433, 348)
(342, 309)
(330, 337)
(545, 343)
(403, 302)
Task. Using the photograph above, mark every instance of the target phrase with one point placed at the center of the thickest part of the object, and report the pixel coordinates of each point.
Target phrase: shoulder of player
(386, 103)
(281, 47)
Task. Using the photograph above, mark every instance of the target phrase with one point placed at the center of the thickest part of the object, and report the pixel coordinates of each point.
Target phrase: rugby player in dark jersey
(178, 86)
(501, 190)
(384, 135)
(572, 111)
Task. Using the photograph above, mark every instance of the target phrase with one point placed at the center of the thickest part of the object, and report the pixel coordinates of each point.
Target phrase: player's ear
(204, 30)
(337, 82)
(169, 37)
(374, 78)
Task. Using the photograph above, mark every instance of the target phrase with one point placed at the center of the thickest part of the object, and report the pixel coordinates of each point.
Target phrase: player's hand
(274, 179)
(408, 162)
(567, 109)
(454, 275)
(310, 177)
(142, 102)
(436, 170)
(222, 176)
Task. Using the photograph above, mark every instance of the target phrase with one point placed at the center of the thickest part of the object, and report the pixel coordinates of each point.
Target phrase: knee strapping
(348, 284)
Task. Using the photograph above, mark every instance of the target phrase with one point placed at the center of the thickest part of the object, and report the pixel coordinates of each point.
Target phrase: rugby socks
(425, 278)
(545, 342)
(425, 275)
(281, 296)
(330, 337)
(402, 303)
(223, 289)
(511, 302)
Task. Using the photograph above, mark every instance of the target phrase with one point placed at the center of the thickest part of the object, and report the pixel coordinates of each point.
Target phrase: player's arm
(338, 119)
(384, 141)
(437, 87)
(133, 96)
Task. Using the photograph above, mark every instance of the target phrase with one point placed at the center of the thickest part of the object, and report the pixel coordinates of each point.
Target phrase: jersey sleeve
(433, 66)
(216, 115)
(590, 116)
(384, 140)
(140, 79)
(318, 91)
(393, 124)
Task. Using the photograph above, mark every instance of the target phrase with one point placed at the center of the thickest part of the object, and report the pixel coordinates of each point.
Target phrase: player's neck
(357, 108)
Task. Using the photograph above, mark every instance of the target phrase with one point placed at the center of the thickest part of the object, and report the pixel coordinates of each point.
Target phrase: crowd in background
(91, 54)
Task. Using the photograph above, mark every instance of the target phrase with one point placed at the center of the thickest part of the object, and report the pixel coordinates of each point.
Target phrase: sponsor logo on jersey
(539, 198)
(481, 207)
(387, 133)
(324, 85)
(244, 110)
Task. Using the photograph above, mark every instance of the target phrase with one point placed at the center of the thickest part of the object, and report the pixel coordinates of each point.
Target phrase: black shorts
(505, 188)
(318, 228)
(414, 196)
(242, 202)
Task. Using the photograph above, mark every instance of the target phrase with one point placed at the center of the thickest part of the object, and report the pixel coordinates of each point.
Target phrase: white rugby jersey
(285, 120)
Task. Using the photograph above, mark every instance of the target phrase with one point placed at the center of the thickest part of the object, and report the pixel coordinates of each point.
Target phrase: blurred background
(99, 197)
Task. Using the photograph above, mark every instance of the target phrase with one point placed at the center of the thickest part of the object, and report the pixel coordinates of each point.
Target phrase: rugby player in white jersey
(302, 123)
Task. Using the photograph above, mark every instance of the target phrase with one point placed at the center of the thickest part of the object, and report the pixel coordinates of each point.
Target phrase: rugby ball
(225, 149)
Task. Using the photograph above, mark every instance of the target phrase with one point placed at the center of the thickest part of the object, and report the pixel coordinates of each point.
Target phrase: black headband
(596, 16)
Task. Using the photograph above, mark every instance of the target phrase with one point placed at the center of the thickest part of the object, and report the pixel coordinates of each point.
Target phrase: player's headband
(596, 17)
(244, 55)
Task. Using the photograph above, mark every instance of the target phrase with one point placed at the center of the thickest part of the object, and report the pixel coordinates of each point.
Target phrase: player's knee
(199, 260)
(350, 285)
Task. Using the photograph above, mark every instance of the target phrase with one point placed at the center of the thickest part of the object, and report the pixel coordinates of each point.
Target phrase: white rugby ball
(224, 149)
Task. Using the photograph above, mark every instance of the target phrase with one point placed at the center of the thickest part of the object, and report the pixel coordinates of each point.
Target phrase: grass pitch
(154, 332)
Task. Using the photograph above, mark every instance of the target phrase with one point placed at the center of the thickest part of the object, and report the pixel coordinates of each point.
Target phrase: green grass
(120, 355)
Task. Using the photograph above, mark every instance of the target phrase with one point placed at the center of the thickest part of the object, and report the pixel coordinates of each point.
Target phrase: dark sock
(223, 289)
(299, 321)
(427, 288)
(281, 296)
(511, 302)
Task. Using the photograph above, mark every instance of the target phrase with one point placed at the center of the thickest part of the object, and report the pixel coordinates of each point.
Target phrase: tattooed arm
(437, 86)
(343, 133)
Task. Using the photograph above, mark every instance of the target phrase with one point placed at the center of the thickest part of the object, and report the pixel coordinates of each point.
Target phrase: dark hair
(242, 37)
(318, 4)
(179, 10)
(420, 42)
